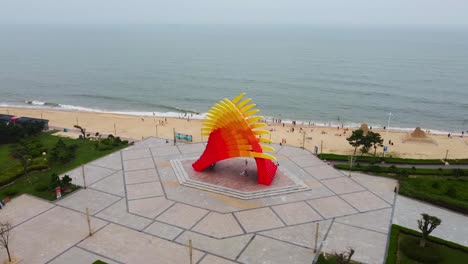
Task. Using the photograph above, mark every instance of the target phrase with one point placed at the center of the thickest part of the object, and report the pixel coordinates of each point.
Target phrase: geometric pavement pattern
(140, 211)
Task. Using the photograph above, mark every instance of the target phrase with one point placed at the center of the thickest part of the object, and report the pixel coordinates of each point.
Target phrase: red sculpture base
(218, 148)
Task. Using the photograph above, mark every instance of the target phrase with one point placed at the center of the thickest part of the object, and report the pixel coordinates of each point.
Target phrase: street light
(388, 124)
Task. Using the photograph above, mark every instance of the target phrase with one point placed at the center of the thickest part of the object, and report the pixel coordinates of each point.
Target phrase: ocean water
(326, 75)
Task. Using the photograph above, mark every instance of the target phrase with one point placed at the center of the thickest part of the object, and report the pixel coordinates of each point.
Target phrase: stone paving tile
(149, 207)
(92, 173)
(258, 219)
(140, 176)
(307, 160)
(182, 215)
(49, 234)
(208, 200)
(454, 225)
(296, 213)
(95, 201)
(149, 143)
(267, 250)
(113, 184)
(302, 235)
(130, 246)
(22, 208)
(165, 151)
(293, 170)
(370, 246)
(77, 255)
(324, 172)
(138, 164)
(365, 201)
(383, 187)
(112, 161)
(227, 247)
(218, 225)
(375, 220)
(332, 206)
(292, 151)
(342, 185)
(192, 148)
(136, 154)
(144, 190)
(163, 230)
(210, 259)
(117, 213)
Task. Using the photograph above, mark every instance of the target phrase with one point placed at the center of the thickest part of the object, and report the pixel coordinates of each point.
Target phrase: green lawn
(6, 161)
(394, 170)
(393, 160)
(451, 193)
(400, 237)
(36, 183)
(442, 187)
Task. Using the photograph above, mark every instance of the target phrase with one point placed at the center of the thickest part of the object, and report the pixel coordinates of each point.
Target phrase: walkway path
(140, 211)
(454, 226)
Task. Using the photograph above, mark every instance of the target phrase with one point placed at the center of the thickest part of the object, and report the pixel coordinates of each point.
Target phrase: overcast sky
(308, 12)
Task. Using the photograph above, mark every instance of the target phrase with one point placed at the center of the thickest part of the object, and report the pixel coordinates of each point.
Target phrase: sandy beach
(332, 139)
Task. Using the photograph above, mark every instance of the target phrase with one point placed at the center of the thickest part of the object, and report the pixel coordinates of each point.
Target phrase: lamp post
(388, 124)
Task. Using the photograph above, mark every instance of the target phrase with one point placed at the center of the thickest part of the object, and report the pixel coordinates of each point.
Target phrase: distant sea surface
(326, 75)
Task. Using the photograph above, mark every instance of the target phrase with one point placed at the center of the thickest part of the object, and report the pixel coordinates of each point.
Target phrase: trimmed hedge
(393, 245)
(11, 174)
(409, 245)
(405, 171)
(392, 160)
(448, 193)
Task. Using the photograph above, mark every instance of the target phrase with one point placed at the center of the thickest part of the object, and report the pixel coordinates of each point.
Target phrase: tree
(376, 140)
(54, 181)
(82, 131)
(22, 153)
(356, 139)
(427, 224)
(63, 153)
(5, 228)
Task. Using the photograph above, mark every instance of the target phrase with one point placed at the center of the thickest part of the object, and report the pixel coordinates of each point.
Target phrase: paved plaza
(141, 212)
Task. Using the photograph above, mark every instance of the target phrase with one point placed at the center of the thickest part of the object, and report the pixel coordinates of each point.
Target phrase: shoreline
(332, 139)
(43, 106)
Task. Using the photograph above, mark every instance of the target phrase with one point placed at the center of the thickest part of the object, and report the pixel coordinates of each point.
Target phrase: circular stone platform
(228, 178)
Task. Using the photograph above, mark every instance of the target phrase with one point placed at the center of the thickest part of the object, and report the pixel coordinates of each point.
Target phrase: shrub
(409, 246)
(54, 181)
(63, 153)
(458, 172)
(66, 181)
(436, 185)
(403, 173)
(103, 144)
(99, 262)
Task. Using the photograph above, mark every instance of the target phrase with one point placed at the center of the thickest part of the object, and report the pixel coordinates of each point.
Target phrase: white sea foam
(269, 119)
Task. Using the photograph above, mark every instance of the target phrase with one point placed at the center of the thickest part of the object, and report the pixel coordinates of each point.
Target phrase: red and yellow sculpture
(233, 131)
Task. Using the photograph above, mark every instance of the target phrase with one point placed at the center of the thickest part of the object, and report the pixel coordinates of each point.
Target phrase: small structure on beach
(418, 135)
(365, 128)
(16, 120)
